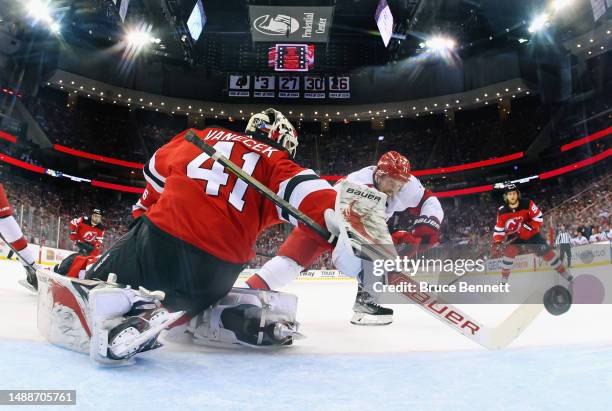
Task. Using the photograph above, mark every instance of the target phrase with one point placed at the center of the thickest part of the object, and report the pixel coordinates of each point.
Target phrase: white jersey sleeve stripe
(295, 189)
(152, 176)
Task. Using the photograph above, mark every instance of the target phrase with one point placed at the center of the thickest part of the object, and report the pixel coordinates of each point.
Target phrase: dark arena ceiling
(91, 32)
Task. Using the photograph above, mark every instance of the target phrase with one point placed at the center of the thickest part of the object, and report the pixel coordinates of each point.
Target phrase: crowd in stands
(44, 207)
(587, 215)
(478, 134)
(89, 126)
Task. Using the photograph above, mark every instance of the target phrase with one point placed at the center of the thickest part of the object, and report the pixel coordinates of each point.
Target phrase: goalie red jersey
(193, 198)
(525, 221)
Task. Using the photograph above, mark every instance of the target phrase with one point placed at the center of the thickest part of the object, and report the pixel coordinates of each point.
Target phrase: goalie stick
(497, 337)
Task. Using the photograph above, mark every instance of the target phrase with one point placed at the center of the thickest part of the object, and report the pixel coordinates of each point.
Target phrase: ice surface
(416, 363)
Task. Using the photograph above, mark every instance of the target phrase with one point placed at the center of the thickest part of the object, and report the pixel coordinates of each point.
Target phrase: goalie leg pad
(247, 317)
(80, 315)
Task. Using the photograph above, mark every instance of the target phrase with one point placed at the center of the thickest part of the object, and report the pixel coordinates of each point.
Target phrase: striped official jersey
(195, 199)
(82, 229)
(511, 220)
(412, 197)
(563, 238)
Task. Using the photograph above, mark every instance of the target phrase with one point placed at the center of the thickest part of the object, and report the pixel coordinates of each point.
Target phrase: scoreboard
(291, 57)
(289, 86)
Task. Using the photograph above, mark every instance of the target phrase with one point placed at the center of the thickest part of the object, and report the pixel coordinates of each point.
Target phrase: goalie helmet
(394, 165)
(272, 124)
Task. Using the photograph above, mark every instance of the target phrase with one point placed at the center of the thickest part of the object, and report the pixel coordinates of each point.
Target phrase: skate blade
(28, 286)
(369, 319)
(124, 348)
(298, 335)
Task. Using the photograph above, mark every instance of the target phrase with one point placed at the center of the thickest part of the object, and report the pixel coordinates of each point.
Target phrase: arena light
(55, 27)
(538, 23)
(440, 44)
(559, 5)
(138, 38)
(39, 10)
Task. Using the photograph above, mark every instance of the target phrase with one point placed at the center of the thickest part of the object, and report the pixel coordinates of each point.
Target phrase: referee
(563, 241)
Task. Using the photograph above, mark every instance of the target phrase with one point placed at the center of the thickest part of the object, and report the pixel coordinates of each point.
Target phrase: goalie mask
(272, 124)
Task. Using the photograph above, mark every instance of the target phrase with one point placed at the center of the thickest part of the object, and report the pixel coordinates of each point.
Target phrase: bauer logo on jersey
(363, 194)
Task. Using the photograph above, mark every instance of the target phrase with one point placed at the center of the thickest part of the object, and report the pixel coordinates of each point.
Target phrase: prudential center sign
(299, 24)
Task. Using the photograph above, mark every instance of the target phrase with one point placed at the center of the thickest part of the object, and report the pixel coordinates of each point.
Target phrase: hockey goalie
(195, 229)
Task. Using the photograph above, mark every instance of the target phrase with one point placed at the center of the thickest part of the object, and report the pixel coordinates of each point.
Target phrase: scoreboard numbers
(339, 87)
(289, 83)
(239, 85)
(314, 84)
(238, 82)
(280, 86)
(265, 83)
(337, 83)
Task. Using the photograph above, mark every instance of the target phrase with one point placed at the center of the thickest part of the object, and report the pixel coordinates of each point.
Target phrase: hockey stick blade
(493, 338)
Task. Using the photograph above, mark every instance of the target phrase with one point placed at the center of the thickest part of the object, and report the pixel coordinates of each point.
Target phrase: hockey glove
(427, 229)
(84, 248)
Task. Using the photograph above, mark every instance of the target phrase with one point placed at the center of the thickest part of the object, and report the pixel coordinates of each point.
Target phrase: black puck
(557, 300)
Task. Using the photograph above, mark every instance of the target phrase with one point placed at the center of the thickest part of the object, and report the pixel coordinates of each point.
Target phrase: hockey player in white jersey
(405, 193)
(11, 233)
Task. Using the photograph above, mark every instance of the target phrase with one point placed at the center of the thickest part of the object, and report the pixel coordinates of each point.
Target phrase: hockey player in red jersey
(12, 234)
(518, 227)
(87, 232)
(197, 223)
(405, 194)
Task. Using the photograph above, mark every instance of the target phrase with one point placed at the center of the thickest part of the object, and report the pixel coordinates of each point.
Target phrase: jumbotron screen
(291, 57)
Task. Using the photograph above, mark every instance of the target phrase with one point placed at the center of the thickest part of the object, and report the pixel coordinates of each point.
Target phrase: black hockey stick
(262, 189)
(490, 337)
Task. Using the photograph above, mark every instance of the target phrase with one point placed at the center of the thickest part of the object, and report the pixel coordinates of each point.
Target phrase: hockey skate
(137, 334)
(367, 312)
(245, 317)
(31, 282)
(567, 275)
(117, 338)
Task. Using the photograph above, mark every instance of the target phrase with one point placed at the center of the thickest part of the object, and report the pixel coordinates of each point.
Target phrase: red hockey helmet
(394, 165)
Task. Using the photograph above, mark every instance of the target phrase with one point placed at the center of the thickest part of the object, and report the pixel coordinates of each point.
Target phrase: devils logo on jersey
(89, 236)
(513, 225)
